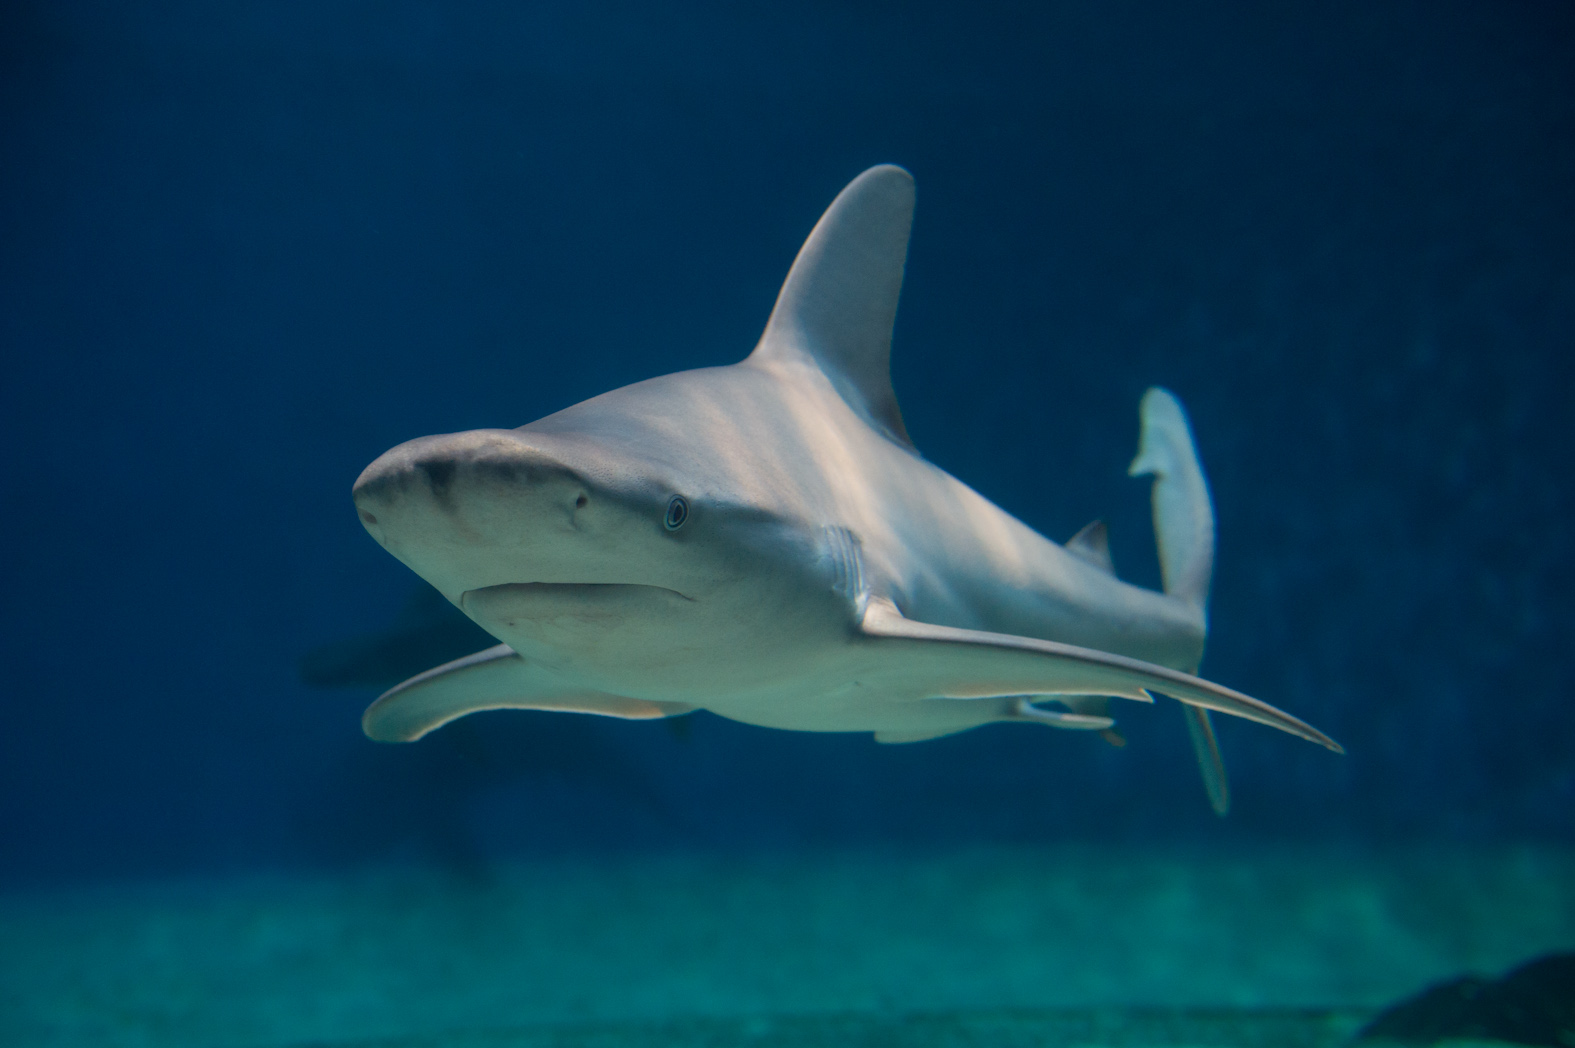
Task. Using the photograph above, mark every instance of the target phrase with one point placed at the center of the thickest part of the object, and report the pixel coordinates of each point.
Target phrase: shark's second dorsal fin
(839, 301)
(1092, 545)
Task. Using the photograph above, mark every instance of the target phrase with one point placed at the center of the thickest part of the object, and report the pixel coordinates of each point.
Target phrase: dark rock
(1534, 1004)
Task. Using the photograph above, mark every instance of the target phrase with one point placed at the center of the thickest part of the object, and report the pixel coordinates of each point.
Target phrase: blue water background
(244, 248)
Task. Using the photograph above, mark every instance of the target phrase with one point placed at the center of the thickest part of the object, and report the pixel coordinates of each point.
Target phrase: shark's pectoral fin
(943, 661)
(494, 679)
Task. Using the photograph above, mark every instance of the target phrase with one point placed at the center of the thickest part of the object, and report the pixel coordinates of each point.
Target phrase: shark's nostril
(367, 518)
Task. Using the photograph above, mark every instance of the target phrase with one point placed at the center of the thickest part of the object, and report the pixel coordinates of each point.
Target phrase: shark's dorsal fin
(839, 301)
(1092, 545)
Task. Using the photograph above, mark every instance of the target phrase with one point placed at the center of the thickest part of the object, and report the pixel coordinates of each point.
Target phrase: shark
(763, 540)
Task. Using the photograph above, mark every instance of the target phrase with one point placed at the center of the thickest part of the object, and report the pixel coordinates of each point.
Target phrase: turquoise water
(1079, 946)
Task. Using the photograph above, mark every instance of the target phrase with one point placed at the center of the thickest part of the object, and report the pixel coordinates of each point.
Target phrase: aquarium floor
(1068, 946)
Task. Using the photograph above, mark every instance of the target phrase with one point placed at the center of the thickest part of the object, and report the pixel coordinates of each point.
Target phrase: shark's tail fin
(1183, 512)
(1184, 526)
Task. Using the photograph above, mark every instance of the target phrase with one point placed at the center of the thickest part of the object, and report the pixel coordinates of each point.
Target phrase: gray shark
(763, 541)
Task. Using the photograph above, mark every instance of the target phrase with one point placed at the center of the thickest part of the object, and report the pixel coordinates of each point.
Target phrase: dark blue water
(245, 248)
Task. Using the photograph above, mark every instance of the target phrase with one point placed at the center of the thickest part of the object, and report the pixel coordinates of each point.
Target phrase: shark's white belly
(840, 704)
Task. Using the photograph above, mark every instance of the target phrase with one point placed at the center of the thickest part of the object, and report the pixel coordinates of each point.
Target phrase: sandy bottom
(1046, 947)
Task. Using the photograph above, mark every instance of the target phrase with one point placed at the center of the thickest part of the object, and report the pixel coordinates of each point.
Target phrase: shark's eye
(677, 513)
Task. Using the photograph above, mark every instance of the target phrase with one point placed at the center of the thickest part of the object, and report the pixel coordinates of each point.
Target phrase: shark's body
(762, 540)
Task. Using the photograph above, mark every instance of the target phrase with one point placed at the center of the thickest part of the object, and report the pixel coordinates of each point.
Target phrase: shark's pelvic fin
(494, 679)
(1092, 545)
(1023, 709)
(839, 301)
(946, 662)
(1184, 525)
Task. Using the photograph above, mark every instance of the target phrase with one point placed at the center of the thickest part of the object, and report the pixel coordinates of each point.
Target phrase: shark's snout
(432, 466)
(477, 490)
(494, 509)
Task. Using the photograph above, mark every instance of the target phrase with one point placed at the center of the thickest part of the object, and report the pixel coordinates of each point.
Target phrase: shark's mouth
(518, 595)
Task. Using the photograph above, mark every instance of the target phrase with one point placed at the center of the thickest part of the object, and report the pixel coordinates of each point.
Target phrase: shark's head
(604, 541)
(470, 511)
(680, 522)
